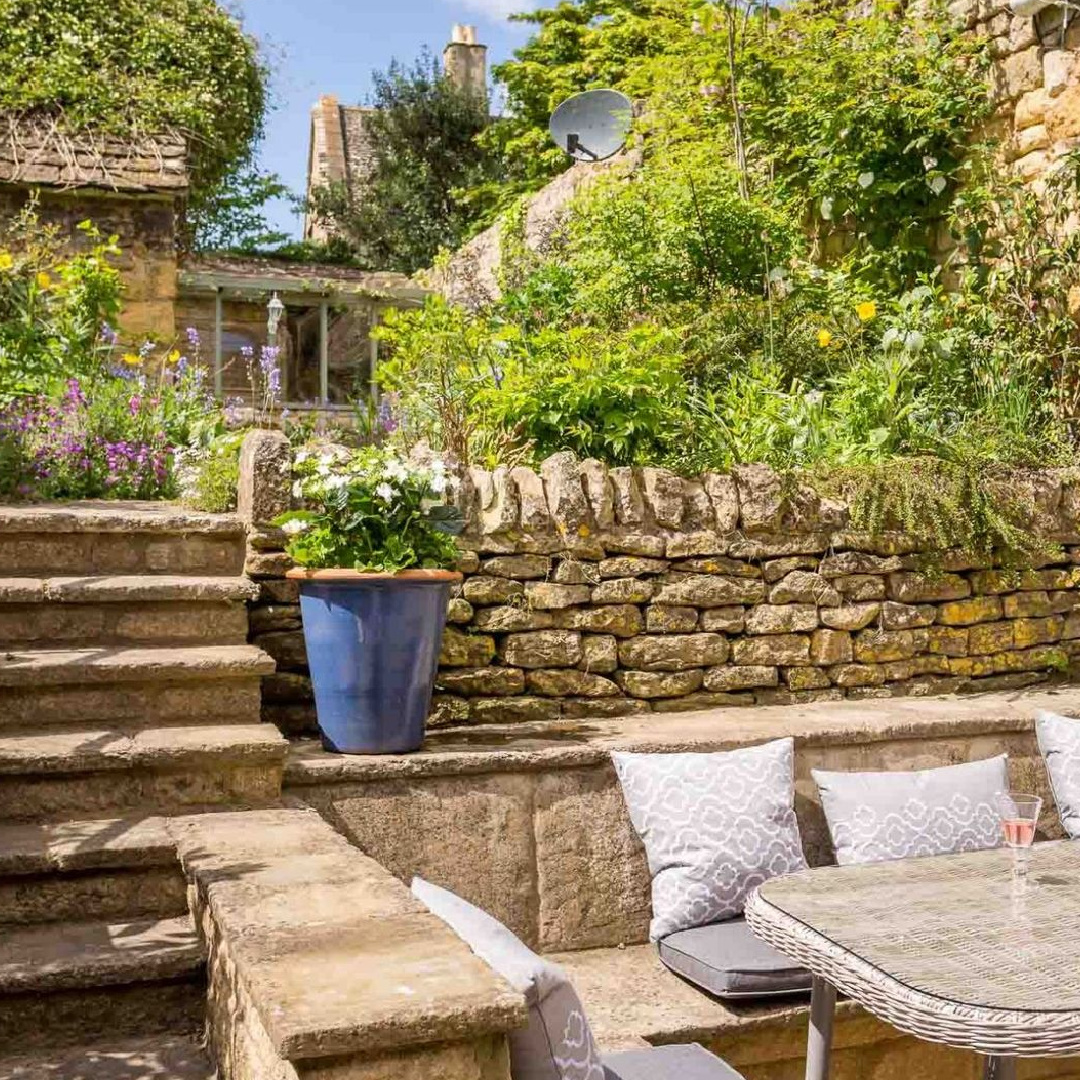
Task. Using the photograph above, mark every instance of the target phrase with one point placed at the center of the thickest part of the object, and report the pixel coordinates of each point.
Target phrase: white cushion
(1059, 741)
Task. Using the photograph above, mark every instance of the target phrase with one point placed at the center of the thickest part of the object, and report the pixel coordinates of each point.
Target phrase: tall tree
(424, 134)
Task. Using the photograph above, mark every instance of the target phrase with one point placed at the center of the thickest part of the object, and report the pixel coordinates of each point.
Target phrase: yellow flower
(866, 310)
(6, 260)
(43, 280)
(824, 338)
(132, 359)
(173, 357)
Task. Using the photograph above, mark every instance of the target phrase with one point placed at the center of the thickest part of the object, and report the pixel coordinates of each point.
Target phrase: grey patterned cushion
(558, 1043)
(713, 826)
(1059, 741)
(876, 816)
(688, 1061)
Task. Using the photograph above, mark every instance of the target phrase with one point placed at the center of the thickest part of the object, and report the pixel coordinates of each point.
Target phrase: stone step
(69, 984)
(87, 773)
(118, 538)
(142, 609)
(131, 687)
(108, 869)
(163, 1058)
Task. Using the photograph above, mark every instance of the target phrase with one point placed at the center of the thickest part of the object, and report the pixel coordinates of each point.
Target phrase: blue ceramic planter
(373, 643)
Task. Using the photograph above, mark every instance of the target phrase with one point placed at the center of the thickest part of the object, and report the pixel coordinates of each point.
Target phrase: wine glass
(1019, 816)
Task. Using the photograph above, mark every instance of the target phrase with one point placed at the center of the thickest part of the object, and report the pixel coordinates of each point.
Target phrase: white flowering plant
(371, 510)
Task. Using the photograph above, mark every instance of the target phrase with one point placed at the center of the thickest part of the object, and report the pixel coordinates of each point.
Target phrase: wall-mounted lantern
(274, 310)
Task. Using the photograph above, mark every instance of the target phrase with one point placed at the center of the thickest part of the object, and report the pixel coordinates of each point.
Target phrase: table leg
(1000, 1068)
(819, 1037)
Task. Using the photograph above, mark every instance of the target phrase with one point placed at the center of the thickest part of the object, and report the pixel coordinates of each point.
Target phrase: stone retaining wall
(606, 592)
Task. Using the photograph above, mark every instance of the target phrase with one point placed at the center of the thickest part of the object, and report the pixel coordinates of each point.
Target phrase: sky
(333, 46)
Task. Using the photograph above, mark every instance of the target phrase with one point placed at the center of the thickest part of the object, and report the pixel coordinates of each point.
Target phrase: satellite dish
(593, 125)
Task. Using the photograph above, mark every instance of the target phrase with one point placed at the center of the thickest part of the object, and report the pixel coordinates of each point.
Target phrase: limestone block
(860, 587)
(723, 620)
(470, 834)
(599, 652)
(946, 640)
(497, 681)
(1057, 70)
(700, 700)
(761, 502)
(806, 678)
(626, 495)
(605, 708)
(781, 618)
(717, 564)
(522, 567)
(1019, 74)
(740, 677)
(990, 638)
(913, 588)
(274, 617)
(783, 650)
(774, 545)
(447, 710)
(491, 590)
(621, 591)
(591, 874)
(258, 565)
(685, 544)
(468, 562)
(549, 596)
(576, 572)
(502, 511)
(669, 619)
(806, 587)
(829, 647)
(673, 652)
(510, 618)
(628, 542)
(851, 616)
(724, 494)
(1032, 165)
(877, 646)
(460, 649)
(631, 566)
(1030, 139)
(512, 710)
(857, 674)
(775, 569)
(281, 591)
(657, 684)
(663, 492)
(535, 516)
(1037, 604)
(285, 646)
(567, 682)
(459, 612)
(709, 590)
(968, 612)
(542, 649)
(598, 492)
(1028, 632)
(897, 616)
(622, 620)
(698, 517)
(1031, 109)
(566, 494)
(847, 563)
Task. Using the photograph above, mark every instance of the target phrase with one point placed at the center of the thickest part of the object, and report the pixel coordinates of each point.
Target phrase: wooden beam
(219, 375)
(324, 353)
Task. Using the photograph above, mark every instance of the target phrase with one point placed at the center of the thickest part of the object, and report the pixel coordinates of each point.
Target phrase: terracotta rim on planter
(298, 573)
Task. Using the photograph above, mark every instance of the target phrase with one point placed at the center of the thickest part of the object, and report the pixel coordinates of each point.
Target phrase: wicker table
(941, 948)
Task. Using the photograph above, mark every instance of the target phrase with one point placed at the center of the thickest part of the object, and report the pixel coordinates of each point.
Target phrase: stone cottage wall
(593, 592)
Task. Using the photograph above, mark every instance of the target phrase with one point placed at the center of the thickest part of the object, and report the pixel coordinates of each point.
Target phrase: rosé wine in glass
(1019, 817)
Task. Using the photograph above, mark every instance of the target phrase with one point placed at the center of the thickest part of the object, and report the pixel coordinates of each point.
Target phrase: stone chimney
(465, 61)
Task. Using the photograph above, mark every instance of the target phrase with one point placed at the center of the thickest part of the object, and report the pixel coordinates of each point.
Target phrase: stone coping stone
(334, 953)
(567, 745)
(155, 748)
(141, 588)
(34, 668)
(161, 1058)
(59, 956)
(94, 516)
(72, 846)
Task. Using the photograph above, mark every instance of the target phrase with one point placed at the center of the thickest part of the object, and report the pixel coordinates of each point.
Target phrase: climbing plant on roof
(134, 68)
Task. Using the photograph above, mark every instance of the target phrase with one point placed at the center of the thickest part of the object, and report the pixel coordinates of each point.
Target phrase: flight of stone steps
(128, 695)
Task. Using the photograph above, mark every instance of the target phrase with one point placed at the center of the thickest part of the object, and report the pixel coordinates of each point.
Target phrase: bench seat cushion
(686, 1062)
(726, 960)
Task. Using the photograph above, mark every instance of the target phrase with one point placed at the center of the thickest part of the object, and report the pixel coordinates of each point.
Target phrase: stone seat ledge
(334, 954)
(568, 745)
(95, 516)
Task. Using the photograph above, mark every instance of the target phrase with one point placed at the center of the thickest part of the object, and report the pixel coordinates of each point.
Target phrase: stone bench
(529, 823)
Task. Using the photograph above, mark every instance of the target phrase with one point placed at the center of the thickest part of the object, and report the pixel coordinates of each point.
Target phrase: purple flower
(108, 335)
(193, 337)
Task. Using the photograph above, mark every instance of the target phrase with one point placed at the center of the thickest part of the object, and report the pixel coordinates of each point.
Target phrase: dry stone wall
(593, 592)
